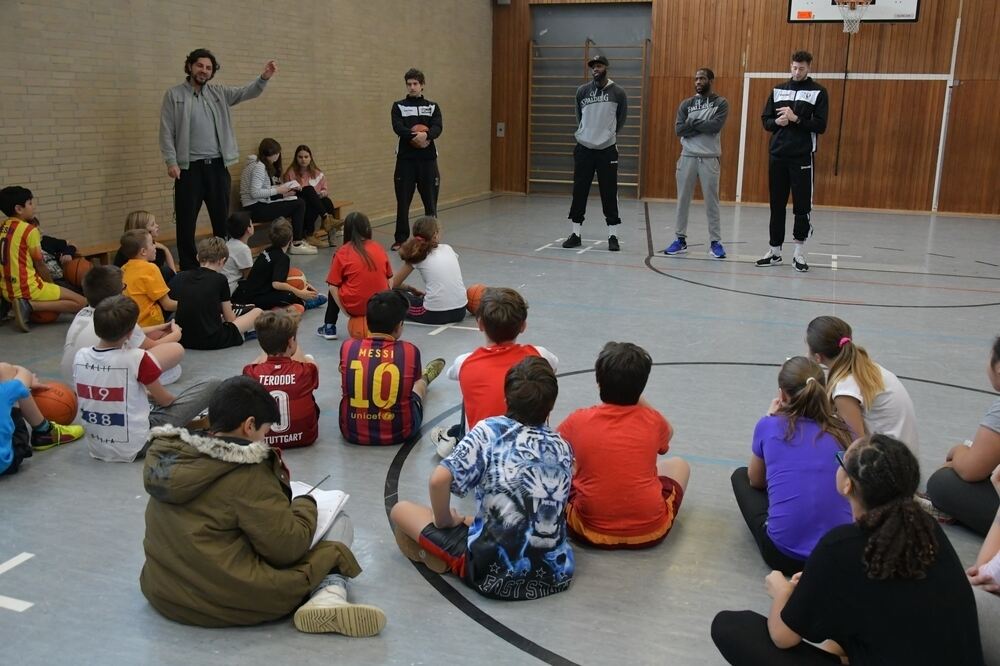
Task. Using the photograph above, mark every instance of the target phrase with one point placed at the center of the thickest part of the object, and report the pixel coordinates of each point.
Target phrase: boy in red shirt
(502, 316)
(623, 495)
(382, 385)
(290, 376)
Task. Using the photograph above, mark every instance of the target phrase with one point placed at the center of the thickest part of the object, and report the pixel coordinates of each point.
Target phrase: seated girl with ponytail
(445, 299)
(868, 397)
(787, 495)
(885, 589)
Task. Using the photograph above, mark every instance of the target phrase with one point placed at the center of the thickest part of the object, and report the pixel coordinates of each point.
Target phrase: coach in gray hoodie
(601, 109)
(699, 125)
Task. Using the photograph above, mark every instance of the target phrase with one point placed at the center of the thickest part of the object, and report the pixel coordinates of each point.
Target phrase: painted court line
(10, 603)
(14, 561)
(441, 329)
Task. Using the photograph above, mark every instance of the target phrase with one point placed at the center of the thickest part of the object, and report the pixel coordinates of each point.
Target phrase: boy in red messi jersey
(290, 376)
(382, 384)
(502, 316)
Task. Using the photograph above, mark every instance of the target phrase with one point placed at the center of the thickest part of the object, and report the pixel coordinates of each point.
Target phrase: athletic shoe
(679, 246)
(716, 250)
(799, 264)
(315, 302)
(302, 247)
(432, 370)
(416, 553)
(396, 246)
(327, 331)
(769, 260)
(444, 443)
(572, 241)
(937, 514)
(613, 244)
(22, 313)
(57, 435)
(328, 611)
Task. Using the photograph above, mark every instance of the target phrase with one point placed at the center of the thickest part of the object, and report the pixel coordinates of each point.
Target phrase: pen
(318, 484)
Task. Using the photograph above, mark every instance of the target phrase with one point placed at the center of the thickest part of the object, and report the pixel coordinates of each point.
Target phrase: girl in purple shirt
(788, 494)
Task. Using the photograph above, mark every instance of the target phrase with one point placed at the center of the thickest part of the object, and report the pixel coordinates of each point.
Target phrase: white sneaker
(170, 375)
(328, 611)
(302, 247)
(444, 444)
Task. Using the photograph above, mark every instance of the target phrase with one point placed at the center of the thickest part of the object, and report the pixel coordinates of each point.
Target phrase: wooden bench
(104, 253)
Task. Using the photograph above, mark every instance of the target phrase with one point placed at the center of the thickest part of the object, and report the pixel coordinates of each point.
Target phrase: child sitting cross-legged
(515, 547)
(291, 376)
(144, 283)
(226, 544)
(112, 381)
(266, 286)
(624, 494)
(383, 386)
(239, 228)
(204, 311)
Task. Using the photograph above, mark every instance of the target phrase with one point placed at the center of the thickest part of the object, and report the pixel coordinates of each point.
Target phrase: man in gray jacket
(699, 124)
(601, 109)
(198, 143)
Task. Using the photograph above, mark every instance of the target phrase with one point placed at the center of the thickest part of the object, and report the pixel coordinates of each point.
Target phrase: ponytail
(902, 540)
(803, 381)
(416, 249)
(831, 337)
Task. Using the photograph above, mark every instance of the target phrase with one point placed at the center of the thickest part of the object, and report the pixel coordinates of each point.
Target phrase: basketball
(418, 128)
(75, 269)
(357, 327)
(43, 317)
(296, 278)
(475, 294)
(56, 401)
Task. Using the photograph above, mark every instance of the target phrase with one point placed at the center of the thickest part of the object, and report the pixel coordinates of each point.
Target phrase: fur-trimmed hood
(181, 465)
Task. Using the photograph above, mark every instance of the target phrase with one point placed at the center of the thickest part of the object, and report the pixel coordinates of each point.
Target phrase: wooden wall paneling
(511, 38)
(771, 39)
(923, 47)
(978, 55)
(589, 2)
(688, 35)
(969, 180)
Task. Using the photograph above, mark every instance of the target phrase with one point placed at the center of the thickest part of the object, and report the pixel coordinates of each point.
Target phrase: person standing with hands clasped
(198, 143)
(601, 109)
(795, 114)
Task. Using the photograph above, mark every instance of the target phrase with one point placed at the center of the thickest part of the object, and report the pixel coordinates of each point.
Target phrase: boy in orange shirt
(623, 495)
(144, 282)
(502, 316)
(25, 281)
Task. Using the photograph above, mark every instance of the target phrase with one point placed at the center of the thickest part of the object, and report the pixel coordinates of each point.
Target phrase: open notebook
(328, 504)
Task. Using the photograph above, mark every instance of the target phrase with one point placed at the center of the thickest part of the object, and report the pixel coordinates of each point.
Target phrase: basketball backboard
(826, 11)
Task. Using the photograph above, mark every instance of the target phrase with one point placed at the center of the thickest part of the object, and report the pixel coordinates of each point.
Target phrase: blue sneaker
(717, 251)
(679, 246)
(327, 331)
(314, 303)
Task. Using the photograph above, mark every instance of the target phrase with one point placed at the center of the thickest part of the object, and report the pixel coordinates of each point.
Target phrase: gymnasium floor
(921, 293)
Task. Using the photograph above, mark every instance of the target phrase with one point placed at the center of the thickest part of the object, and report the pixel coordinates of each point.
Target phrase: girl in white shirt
(868, 397)
(446, 297)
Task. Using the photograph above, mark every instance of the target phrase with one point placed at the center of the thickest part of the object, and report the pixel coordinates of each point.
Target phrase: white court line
(593, 244)
(447, 326)
(835, 257)
(14, 561)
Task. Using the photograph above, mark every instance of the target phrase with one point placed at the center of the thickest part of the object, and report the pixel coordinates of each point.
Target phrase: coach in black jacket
(416, 155)
(795, 114)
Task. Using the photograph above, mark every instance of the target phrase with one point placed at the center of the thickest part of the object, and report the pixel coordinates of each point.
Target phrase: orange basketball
(75, 269)
(357, 327)
(418, 128)
(296, 278)
(43, 316)
(475, 294)
(56, 401)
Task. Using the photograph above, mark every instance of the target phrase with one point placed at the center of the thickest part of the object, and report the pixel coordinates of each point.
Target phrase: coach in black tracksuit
(601, 109)
(795, 114)
(416, 155)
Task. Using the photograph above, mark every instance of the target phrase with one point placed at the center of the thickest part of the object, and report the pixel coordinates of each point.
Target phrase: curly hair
(901, 537)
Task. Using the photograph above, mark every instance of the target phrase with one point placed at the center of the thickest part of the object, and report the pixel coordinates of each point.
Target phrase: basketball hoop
(852, 11)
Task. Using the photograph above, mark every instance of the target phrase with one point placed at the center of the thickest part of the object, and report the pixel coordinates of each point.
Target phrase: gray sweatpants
(988, 608)
(705, 169)
(186, 405)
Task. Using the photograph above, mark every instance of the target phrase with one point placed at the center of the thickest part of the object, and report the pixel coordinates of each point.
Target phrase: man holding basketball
(601, 109)
(417, 122)
(795, 114)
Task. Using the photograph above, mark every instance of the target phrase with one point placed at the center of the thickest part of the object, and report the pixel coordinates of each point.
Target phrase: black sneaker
(613, 244)
(769, 260)
(799, 264)
(572, 241)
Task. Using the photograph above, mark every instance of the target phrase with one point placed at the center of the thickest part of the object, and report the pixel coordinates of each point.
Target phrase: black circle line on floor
(464, 604)
(651, 253)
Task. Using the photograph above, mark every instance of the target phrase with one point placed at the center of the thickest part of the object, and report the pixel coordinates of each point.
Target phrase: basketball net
(852, 12)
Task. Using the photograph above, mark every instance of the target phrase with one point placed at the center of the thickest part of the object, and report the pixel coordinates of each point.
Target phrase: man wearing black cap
(601, 108)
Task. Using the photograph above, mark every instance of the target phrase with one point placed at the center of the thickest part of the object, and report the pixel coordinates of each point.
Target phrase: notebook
(329, 503)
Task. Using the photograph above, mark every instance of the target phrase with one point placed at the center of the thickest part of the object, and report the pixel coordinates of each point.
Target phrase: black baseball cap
(597, 59)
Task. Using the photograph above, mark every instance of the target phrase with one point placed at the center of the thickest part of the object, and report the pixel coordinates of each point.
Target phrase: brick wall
(82, 83)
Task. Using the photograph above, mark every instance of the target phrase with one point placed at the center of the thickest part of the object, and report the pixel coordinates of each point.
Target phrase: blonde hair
(831, 337)
(139, 219)
(211, 250)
